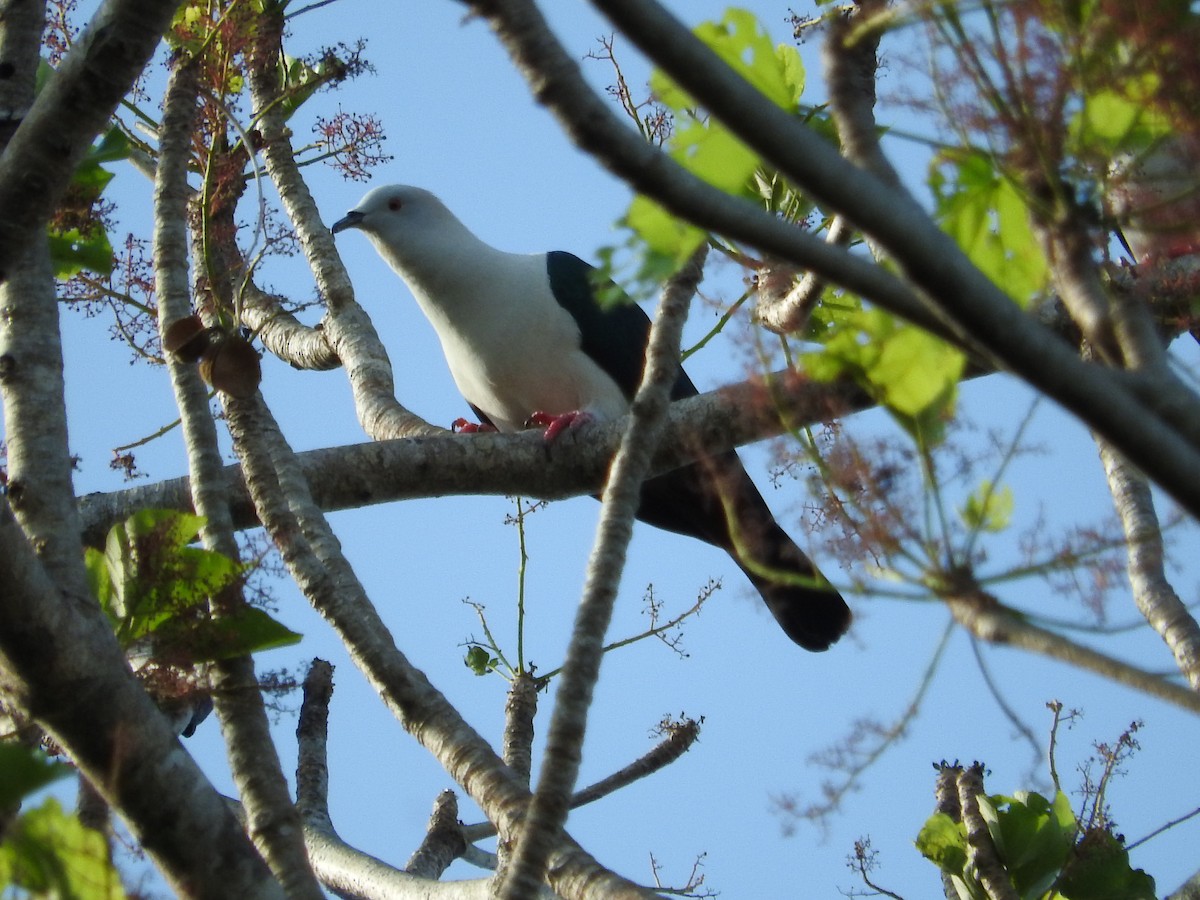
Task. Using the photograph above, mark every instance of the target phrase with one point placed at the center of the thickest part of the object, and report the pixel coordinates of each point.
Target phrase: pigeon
(527, 341)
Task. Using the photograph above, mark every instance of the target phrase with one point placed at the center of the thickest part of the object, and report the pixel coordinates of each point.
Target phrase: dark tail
(693, 501)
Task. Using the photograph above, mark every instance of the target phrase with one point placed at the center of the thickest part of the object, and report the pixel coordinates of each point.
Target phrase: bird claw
(556, 425)
(462, 426)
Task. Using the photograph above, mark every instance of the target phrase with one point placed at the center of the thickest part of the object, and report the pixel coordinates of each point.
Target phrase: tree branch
(443, 843)
(956, 300)
(678, 741)
(982, 855)
(384, 471)
(313, 556)
(547, 813)
(348, 330)
(273, 822)
(1152, 592)
(74, 106)
(983, 616)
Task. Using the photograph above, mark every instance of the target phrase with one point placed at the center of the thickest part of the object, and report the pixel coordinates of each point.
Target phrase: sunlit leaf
(662, 232)
(989, 508)
(911, 373)
(943, 843)
(741, 42)
(989, 219)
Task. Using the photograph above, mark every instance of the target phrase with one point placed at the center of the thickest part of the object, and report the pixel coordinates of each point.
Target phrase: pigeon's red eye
(394, 204)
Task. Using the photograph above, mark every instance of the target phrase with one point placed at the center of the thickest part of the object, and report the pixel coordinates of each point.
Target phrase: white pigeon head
(413, 230)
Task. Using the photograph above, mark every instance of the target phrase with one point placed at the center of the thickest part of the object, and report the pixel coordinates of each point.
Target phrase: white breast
(512, 350)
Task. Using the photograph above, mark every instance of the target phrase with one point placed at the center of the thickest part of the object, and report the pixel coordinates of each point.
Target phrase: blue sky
(462, 123)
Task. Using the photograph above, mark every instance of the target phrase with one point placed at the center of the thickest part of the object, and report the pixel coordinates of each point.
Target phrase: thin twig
(540, 832)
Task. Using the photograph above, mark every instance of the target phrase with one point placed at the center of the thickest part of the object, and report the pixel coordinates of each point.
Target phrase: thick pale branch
(351, 873)
(384, 471)
(298, 345)
(273, 821)
(312, 741)
(982, 855)
(443, 842)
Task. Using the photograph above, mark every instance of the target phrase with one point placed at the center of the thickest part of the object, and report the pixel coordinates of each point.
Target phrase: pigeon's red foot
(556, 425)
(462, 426)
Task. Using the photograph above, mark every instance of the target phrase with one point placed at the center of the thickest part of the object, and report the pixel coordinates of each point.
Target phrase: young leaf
(943, 843)
(663, 234)
(745, 46)
(989, 219)
(479, 661)
(989, 508)
(1036, 842)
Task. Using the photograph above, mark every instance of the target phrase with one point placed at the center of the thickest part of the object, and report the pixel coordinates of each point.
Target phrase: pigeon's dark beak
(352, 219)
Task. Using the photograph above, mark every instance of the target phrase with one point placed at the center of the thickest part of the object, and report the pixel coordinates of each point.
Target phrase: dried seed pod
(187, 339)
(231, 365)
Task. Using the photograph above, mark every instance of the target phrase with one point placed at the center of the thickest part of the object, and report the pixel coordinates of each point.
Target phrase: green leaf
(112, 147)
(988, 508)
(989, 219)
(1115, 121)
(72, 253)
(479, 661)
(1100, 870)
(943, 843)
(301, 80)
(24, 770)
(98, 579)
(711, 152)
(663, 233)
(250, 630)
(913, 374)
(155, 575)
(51, 854)
(915, 370)
(739, 39)
(1033, 839)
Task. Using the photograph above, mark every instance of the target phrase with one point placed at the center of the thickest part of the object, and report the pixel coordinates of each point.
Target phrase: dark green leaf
(24, 770)
(1100, 871)
(248, 631)
(479, 661)
(72, 253)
